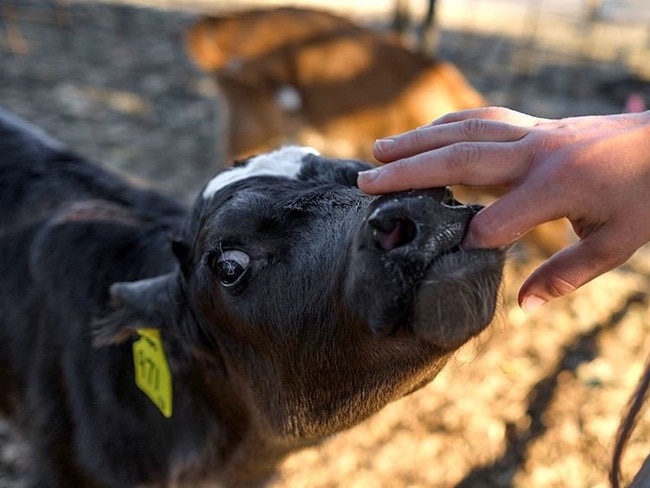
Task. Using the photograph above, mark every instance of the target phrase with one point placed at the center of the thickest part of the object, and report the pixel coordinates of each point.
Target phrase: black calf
(143, 344)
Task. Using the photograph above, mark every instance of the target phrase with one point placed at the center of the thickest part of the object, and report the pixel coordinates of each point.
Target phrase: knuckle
(397, 167)
(557, 286)
(464, 154)
(497, 111)
(401, 169)
(420, 137)
(470, 128)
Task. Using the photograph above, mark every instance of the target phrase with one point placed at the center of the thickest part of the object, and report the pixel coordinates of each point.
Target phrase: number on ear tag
(152, 373)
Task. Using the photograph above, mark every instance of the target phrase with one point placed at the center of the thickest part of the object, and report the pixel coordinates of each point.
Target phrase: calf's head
(320, 303)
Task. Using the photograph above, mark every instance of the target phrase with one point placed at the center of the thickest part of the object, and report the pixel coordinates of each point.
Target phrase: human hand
(593, 170)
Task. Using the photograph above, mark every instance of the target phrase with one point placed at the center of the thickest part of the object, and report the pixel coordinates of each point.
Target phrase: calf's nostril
(392, 233)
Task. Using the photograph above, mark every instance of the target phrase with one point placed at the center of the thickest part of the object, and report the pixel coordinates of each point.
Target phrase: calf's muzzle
(410, 274)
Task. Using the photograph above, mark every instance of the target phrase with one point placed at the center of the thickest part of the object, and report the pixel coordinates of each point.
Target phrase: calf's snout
(409, 273)
(397, 250)
(429, 221)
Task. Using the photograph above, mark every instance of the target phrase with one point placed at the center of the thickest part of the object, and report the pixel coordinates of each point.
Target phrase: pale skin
(592, 170)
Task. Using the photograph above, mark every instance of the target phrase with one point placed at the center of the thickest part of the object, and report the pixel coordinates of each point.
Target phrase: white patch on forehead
(285, 161)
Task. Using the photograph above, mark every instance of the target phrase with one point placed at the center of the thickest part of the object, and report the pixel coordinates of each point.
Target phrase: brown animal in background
(213, 42)
(314, 78)
(311, 77)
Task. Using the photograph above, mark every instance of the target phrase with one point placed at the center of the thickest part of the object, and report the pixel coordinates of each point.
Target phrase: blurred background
(533, 403)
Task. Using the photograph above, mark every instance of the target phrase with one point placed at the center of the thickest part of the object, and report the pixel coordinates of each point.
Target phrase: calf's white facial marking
(285, 161)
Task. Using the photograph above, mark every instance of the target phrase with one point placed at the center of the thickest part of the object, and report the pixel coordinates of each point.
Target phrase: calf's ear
(182, 251)
(145, 304)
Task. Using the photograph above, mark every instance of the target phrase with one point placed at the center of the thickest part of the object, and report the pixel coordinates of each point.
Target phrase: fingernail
(532, 303)
(368, 175)
(384, 144)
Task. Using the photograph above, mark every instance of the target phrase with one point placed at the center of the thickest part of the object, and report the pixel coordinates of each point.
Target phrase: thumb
(571, 268)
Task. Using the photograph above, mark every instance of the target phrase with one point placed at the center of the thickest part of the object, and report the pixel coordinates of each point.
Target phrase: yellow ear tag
(152, 373)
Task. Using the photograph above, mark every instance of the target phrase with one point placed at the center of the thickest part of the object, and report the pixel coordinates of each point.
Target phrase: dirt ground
(535, 402)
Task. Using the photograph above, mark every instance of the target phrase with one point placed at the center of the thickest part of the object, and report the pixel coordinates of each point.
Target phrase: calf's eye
(230, 266)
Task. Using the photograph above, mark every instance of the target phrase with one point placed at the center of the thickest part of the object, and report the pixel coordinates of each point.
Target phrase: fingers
(473, 164)
(436, 136)
(456, 149)
(571, 268)
(510, 217)
(492, 124)
(472, 152)
(500, 114)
